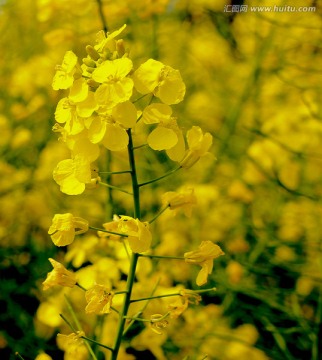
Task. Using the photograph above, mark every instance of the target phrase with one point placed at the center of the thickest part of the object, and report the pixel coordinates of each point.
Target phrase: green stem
(96, 342)
(19, 356)
(136, 319)
(107, 231)
(68, 322)
(174, 294)
(158, 214)
(162, 257)
(109, 190)
(78, 325)
(140, 312)
(81, 287)
(134, 256)
(155, 297)
(101, 13)
(115, 188)
(161, 177)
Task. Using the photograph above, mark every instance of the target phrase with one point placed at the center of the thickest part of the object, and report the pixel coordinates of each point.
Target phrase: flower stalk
(134, 256)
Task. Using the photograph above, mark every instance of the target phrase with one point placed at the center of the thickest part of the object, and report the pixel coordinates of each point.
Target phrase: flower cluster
(110, 106)
(99, 110)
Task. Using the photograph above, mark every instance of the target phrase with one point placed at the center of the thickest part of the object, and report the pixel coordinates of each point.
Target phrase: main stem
(134, 256)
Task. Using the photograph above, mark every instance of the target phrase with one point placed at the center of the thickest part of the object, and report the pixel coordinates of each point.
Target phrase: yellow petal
(142, 241)
(86, 150)
(87, 107)
(111, 70)
(62, 80)
(125, 114)
(79, 90)
(115, 138)
(162, 138)
(202, 276)
(110, 94)
(156, 113)
(69, 61)
(97, 130)
(146, 77)
(172, 89)
(177, 152)
(63, 111)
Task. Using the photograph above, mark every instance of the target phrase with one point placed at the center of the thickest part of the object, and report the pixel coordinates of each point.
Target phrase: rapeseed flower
(64, 227)
(164, 136)
(43, 356)
(161, 80)
(158, 323)
(106, 41)
(109, 127)
(198, 144)
(183, 200)
(59, 276)
(177, 307)
(138, 234)
(72, 175)
(115, 87)
(99, 300)
(64, 76)
(204, 256)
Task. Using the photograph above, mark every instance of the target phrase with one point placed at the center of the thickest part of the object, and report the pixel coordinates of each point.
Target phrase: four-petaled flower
(204, 256)
(64, 76)
(161, 80)
(138, 233)
(99, 300)
(158, 323)
(177, 307)
(198, 144)
(73, 174)
(64, 227)
(182, 200)
(73, 339)
(59, 276)
(115, 86)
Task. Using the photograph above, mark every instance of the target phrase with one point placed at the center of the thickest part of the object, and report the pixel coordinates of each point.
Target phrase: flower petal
(162, 138)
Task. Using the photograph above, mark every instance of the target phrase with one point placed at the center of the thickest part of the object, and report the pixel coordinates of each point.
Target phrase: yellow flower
(107, 42)
(72, 175)
(73, 339)
(111, 226)
(181, 304)
(73, 346)
(164, 136)
(158, 323)
(64, 76)
(43, 356)
(99, 300)
(204, 256)
(184, 200)
(199, 145)
(109, 127)
(66, 114)
(139, 235)
(59, 276)
(64, 227)
(115, 86)
(177, 307)
(161, 80)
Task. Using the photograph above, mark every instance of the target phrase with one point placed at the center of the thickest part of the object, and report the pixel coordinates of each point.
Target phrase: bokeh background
(254, 82)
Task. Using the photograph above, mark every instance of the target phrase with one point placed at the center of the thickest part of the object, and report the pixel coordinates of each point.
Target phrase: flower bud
(92, 52)
(89, 62)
